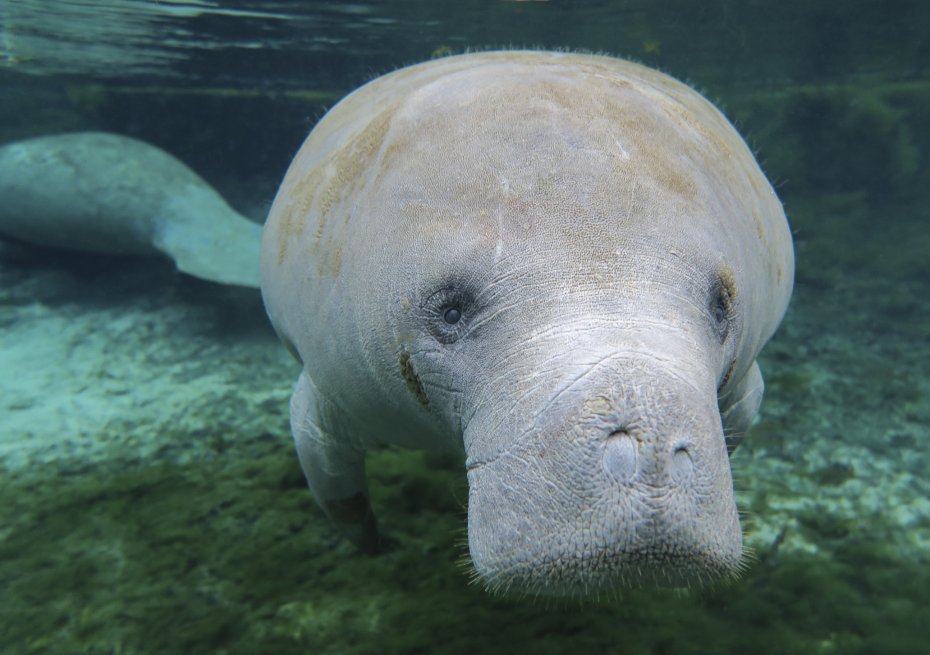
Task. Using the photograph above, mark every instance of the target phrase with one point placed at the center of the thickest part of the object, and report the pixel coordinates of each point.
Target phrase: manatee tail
(226, 249)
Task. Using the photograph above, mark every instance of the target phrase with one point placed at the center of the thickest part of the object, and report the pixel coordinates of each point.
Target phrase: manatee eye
(447, 313)
(452, 315)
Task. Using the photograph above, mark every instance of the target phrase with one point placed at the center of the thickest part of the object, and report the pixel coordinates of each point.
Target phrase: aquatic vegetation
(229, 553)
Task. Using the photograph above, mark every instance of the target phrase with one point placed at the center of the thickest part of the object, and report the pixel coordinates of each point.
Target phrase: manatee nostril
(682, 467)
(620, 455)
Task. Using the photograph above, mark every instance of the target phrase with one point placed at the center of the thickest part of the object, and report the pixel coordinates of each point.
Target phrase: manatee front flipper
(335, 470)
(740, 406)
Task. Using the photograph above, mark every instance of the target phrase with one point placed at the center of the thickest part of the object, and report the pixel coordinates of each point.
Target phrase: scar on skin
(410, 377)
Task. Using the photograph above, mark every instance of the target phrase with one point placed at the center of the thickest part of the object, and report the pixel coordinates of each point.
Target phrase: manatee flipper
(335, 470)
(740, 406)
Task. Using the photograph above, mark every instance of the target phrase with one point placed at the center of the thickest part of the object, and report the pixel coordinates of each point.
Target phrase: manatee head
(567, 265)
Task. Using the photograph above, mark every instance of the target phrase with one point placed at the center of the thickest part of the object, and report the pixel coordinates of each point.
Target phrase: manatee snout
(622, 482)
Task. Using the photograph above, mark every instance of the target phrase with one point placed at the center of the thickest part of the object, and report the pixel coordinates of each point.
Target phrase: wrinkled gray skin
(563, 265)
(107, 193)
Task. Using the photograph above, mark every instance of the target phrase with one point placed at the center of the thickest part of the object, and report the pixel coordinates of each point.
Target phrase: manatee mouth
(594, 577)
(605, 573)
(562, 565)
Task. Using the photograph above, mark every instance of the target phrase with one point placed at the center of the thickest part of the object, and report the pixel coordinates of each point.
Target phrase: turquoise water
(151, 500)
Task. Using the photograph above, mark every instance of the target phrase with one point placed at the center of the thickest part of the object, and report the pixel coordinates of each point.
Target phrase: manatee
(561, 266)
(106, 193)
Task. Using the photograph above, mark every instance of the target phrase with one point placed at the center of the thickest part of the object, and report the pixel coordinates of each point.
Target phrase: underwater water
(151, 500)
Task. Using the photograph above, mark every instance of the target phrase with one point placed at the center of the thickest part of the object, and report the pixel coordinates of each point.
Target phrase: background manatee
(562, 266)
(107, 193)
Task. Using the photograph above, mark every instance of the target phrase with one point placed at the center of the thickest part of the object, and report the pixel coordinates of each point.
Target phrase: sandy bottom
(152, 502)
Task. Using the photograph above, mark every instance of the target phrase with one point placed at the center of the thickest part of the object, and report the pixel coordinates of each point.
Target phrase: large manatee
(562, 266)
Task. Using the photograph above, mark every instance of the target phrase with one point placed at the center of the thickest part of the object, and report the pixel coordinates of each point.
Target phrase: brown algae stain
(322, 188)
(757, 221)
(300, 194)
(349, 162)
(728, 281)
(335, 260)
